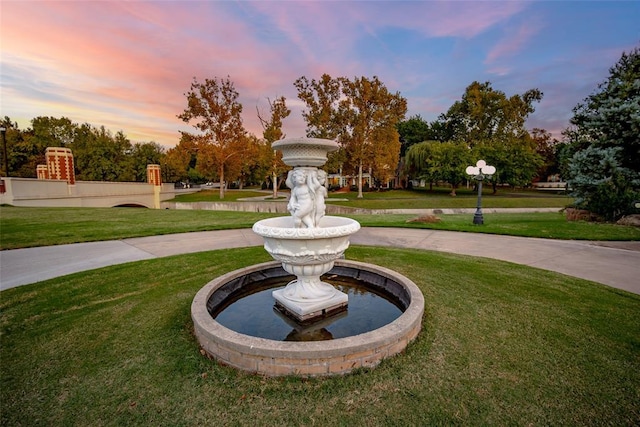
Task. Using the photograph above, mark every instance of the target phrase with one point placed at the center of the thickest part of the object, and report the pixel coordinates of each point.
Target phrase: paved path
(615, 264)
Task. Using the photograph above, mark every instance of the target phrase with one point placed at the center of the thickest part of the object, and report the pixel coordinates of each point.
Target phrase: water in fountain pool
(253, 313)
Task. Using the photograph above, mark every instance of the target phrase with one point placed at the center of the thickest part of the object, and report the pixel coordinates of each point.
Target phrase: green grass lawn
(214, 196)
(501, 344)
(30, 227)
(548, 225)
(405, 199)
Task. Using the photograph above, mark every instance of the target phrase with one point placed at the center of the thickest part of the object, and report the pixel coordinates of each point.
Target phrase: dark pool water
(254, 314)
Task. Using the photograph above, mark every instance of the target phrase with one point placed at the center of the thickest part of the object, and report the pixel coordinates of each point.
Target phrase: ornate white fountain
(307, 242)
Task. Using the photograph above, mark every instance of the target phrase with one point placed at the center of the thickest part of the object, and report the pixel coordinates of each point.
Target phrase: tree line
(99, 155)
(598, 155)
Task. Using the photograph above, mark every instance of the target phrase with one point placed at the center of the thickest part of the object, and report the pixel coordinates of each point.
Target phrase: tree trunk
(221, 182)
(275, 185)
(360, 180)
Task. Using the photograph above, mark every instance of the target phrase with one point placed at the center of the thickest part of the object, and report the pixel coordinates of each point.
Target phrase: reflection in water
(255, 315)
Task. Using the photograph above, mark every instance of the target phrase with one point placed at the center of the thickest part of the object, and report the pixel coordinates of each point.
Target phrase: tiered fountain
(307, 244)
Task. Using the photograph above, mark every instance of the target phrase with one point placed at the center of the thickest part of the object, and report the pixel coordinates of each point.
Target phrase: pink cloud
(128, 64)
(513, 41)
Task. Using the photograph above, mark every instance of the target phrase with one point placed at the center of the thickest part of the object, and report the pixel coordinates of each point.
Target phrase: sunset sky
(127, 64)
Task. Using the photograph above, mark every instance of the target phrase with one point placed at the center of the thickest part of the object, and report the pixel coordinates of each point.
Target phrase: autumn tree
(385, 154)
(486, 114)
(214, 110)
(272, 132)
(178, 160)
(321, 98)
(369, 114)
(251, 161)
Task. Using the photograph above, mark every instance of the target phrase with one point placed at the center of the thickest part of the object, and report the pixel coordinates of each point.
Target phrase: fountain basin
(307, 253)
(319, 358)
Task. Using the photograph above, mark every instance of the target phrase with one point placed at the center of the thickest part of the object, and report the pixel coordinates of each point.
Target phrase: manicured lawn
(552, 225)
(440, 198)
(501, 344)
(29, 227)
(417, 199)
(214, 196)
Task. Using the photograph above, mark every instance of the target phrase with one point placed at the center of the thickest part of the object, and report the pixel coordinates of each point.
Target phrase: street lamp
(3, 131)
(479, 172)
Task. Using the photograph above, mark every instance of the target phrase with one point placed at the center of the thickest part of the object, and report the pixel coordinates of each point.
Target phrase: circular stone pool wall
(317, 358)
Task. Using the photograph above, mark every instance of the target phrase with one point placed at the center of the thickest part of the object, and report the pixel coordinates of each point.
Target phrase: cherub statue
(320, 192)
(301, 203)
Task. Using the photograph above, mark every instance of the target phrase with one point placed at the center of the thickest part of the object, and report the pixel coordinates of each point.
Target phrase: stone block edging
(319, 358)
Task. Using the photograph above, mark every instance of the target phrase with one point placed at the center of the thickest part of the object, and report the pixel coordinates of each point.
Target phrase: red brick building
(60, 164)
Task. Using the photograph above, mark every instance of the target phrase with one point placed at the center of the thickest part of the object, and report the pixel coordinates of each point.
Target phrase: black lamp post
(3, 131)
(479, 172)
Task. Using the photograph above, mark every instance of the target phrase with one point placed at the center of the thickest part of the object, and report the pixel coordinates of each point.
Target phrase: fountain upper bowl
(310, 152)
(283, 228)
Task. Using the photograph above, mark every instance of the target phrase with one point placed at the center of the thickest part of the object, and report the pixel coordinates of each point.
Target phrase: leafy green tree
(439, 161)
(26, 149)
(141, 155)
(214, 110)
(10, 132)
(547, 148)
(453, 158)
(518, 162)
(53, 132)
(486, 118)
(99, 155)
(250, 161)
(604, 153)
(486, 114)
(421, 161)
(22, 151)
(413, 131)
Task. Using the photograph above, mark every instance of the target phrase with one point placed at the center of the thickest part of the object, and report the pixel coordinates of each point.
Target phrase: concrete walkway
(615, 264)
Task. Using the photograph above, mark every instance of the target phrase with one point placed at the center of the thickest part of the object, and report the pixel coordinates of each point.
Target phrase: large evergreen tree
(603, 168)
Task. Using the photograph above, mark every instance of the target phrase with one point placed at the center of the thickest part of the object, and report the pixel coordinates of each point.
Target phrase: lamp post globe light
(479, 172)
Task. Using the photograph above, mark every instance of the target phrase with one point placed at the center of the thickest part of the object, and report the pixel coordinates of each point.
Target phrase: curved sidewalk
(616, 264)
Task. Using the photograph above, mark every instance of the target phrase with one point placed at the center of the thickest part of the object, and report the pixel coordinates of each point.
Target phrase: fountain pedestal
(307, 253)
(305, 311)
(308, 297)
